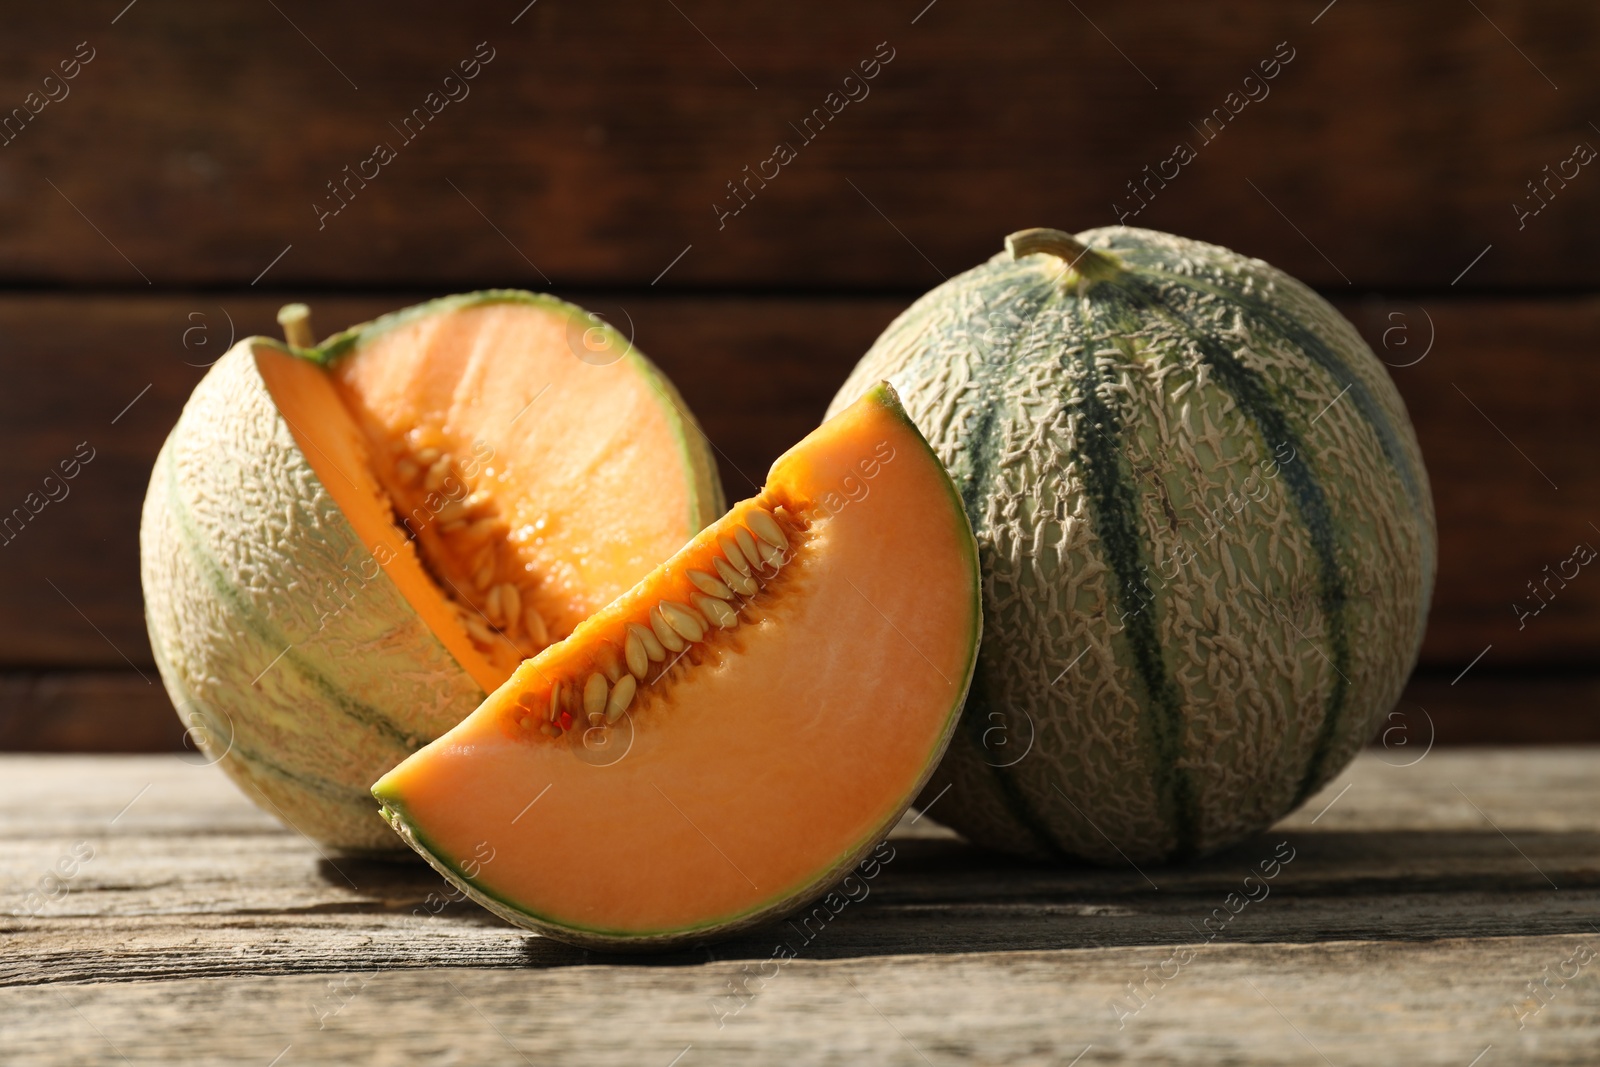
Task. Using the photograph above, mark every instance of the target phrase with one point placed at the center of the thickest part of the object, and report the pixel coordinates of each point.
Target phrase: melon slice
(731, 735)
(346, 545)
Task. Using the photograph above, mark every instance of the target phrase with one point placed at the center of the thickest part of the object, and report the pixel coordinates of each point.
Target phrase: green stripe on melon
(1095, 417)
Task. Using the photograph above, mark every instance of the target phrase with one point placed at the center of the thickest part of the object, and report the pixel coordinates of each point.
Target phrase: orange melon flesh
(751, 771)
(548, 423)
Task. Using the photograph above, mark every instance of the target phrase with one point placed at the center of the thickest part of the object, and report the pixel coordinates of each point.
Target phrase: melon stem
(296, 322)
(1086, 261)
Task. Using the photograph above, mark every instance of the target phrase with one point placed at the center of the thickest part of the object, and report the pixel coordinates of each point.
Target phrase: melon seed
(437, 474)
(510, 604)
(736, 558)
(747, 545)
(491, 605)
(406, 471)
(426, 457)
(478, 501)
(633, 649)
(479, 630)
(594, 694)
(533, 622)
(555, 702)
(708, 584)
(766, 527)
(610, 663)
(451, 511)
(739, 582)
(452, 529)
(665, 634)
(771, 556)
(685, 620)
(550, 730)
(621, 697)
(485, 576)
(647, 638)
(483, 529)
(716, 610)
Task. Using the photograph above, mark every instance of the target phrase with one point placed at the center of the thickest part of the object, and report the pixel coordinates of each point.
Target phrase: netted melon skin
(1175, 655)
(294, 660)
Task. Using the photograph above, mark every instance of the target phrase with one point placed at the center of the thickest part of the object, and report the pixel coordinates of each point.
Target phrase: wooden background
(166, 203)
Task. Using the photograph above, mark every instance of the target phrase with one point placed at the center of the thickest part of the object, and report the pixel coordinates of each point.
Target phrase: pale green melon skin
(1248, 702)
(303, 695)
(238, 546)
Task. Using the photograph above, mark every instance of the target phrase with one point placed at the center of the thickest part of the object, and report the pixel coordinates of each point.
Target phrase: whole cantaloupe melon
(345, 546)
(1205, 530)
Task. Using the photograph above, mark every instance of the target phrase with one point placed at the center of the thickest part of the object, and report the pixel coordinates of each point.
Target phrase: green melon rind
(934, 352)
(706, 501)
(393, 807)
(237, 542)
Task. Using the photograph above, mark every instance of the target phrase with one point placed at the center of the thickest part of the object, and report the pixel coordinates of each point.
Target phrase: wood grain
(1417, 905)
(759, 372)
(594, 147)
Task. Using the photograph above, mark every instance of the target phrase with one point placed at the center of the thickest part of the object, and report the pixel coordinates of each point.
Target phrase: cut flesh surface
(728, 737)
(495, 445)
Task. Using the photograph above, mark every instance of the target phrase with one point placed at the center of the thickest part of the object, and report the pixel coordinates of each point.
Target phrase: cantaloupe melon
(730, 736)
(345, 546)
(1206, 535)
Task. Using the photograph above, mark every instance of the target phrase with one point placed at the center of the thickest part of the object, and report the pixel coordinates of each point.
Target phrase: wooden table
(1419, 903)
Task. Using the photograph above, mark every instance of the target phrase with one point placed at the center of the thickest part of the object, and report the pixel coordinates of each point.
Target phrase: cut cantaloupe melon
(731, 735)
(345, 545)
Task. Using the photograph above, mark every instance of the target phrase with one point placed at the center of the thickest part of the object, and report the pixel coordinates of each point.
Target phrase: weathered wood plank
(123, 869)
(1435, 1003)
(759, 373)
(1396, 138)
(1415, 910)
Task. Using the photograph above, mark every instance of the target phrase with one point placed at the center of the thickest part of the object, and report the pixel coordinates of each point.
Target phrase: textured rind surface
(1177, 654)
(305, 678)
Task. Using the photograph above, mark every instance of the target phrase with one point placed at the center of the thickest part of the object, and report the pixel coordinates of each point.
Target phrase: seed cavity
(750, 557)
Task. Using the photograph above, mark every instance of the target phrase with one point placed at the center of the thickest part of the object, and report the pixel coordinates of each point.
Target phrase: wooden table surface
(1411, 910)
